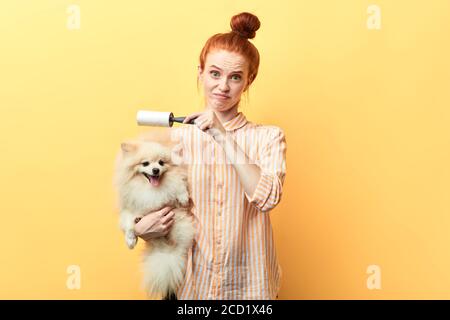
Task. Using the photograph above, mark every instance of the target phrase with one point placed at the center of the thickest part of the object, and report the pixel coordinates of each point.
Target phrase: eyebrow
(213, 66)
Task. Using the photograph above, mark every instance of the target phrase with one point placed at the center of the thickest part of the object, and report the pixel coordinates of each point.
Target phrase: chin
(221, 106)
(145, 183)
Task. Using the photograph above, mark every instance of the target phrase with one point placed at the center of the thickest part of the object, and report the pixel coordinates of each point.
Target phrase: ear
(200, 71)
(176, 154)
(249, 82)
(128, 147)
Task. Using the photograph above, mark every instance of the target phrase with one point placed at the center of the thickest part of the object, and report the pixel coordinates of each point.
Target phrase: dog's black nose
(155, 170)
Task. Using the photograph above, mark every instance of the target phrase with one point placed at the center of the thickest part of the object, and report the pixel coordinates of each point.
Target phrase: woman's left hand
(208, 122)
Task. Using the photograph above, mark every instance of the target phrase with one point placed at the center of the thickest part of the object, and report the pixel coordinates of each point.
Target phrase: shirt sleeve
(272, 162)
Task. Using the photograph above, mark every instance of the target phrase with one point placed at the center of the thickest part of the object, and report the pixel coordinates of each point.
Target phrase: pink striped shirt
(233, 256)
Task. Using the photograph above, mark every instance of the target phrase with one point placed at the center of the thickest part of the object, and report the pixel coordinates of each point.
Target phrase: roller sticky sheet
(158, 119)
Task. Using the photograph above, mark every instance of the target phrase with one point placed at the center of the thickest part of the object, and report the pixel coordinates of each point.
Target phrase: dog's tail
(165, 264)
(163, 272)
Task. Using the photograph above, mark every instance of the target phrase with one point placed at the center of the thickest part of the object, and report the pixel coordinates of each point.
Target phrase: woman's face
(224, 79)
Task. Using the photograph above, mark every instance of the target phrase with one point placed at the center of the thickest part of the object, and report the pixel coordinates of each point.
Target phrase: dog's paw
(131, 239)
(184, 200)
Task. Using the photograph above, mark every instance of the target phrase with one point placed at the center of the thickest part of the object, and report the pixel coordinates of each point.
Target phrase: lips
(154, 180)
(220, 96)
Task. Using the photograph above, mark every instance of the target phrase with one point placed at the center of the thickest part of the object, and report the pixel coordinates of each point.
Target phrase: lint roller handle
(173, 119)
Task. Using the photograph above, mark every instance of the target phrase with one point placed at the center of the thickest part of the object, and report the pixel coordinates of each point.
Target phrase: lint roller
(158, 119)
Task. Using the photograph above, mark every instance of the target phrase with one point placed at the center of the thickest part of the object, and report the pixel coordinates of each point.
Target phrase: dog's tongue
(154, 181)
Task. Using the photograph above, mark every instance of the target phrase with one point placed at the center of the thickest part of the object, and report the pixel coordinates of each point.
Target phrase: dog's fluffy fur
(140, 193)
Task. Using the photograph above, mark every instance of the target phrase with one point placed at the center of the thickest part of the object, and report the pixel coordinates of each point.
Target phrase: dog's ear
(128, 147)
(176, 154)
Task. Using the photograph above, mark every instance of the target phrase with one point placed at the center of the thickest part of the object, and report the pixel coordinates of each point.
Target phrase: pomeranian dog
(147, 180)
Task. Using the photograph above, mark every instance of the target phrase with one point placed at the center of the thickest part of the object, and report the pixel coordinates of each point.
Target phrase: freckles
(238, 88)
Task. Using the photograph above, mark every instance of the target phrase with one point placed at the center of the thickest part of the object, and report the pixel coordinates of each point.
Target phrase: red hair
(243, 27)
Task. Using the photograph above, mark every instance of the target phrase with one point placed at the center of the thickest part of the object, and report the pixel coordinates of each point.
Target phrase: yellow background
(365, 112)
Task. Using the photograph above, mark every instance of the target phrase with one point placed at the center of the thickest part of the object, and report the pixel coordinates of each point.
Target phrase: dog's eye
(161, 163)
(146, 163)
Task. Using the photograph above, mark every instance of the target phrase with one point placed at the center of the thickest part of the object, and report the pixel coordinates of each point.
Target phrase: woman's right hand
(155, 224)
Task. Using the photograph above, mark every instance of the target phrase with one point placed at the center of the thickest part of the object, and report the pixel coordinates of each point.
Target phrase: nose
(223, 86)
(155, 170)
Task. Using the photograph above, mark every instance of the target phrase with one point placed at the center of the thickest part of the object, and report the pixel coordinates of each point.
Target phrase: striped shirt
(233, 255)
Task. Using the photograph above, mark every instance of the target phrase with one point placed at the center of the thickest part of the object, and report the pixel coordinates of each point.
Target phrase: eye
(146, 163)
(161, 163)
(236, 77)
(215, 74)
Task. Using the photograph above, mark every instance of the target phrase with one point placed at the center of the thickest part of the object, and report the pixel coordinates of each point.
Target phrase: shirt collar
(237, 122)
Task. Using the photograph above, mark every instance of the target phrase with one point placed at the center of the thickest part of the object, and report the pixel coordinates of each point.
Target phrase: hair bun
(245, 24)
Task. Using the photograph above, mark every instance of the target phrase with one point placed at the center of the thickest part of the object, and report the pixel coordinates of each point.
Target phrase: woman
(237, 170)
